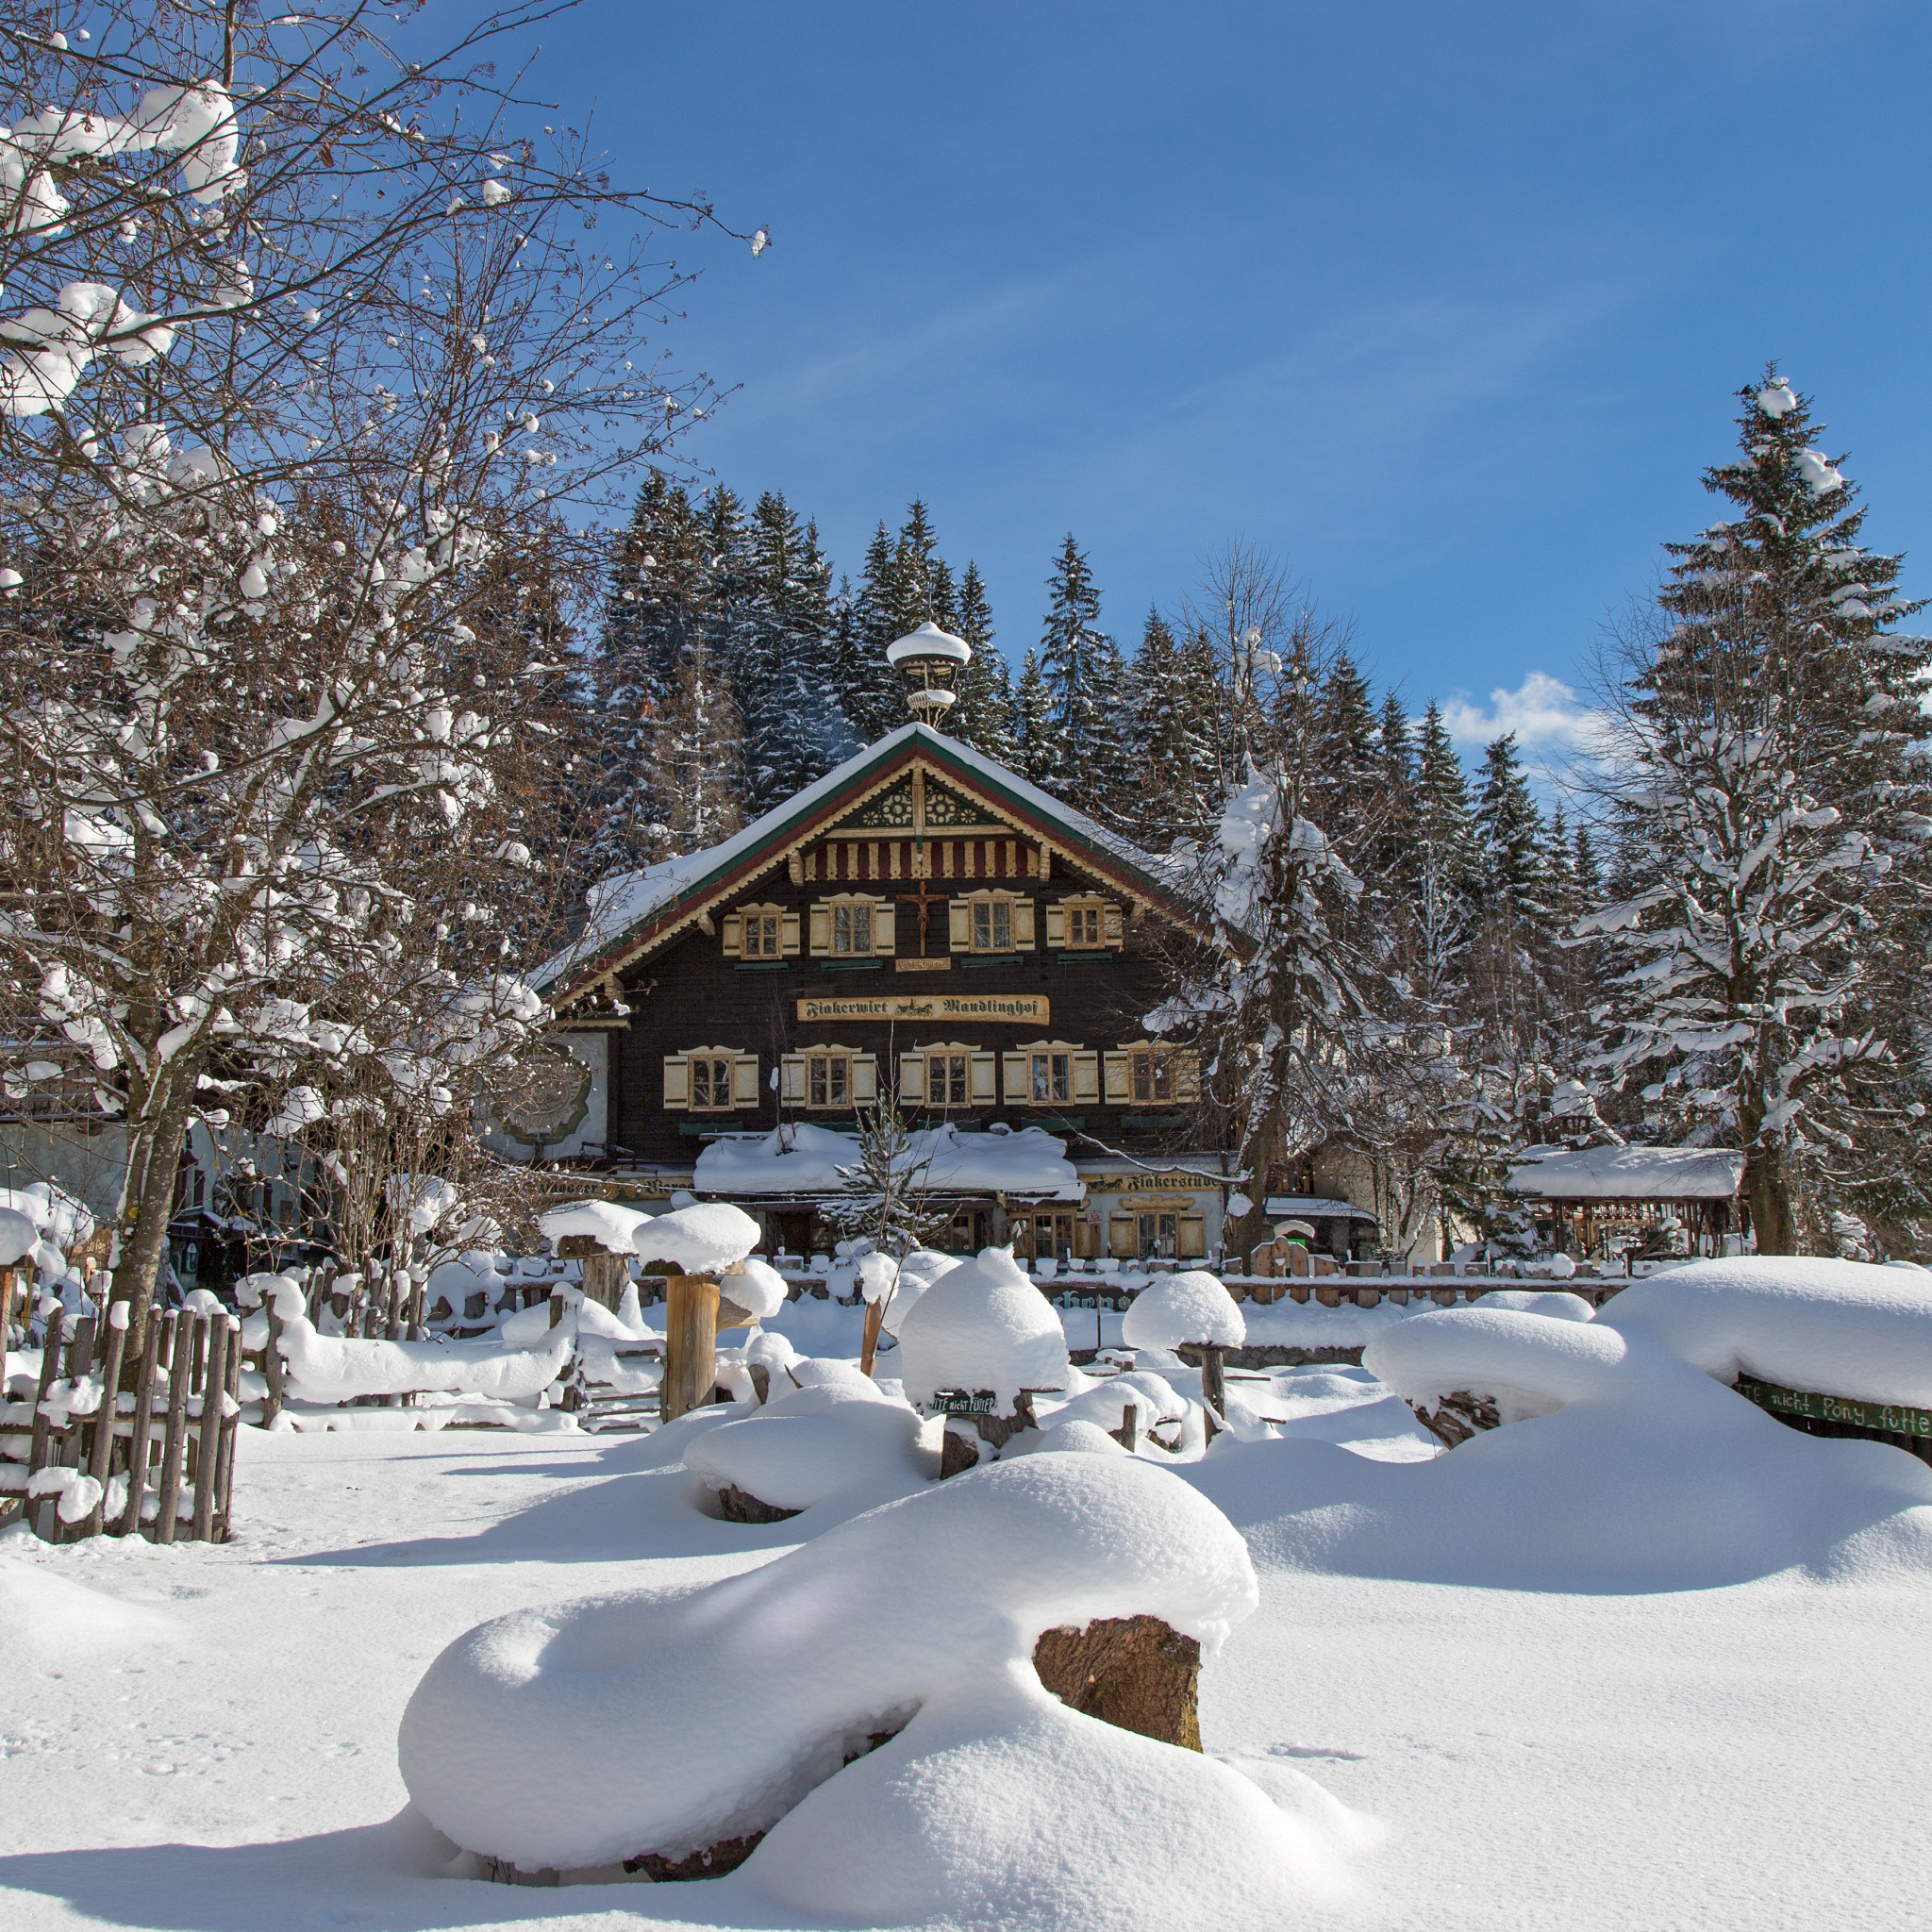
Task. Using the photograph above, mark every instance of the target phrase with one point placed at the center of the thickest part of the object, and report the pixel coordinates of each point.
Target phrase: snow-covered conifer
(1774, 814)
(983, 717)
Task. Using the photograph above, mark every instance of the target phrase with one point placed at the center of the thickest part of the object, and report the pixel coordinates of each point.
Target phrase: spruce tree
(1032, 723)
(871, 693)
(1173, 766)
(1080, 670)
(1772, 835)
(1509, 830)
(794, 729)
(654, 617)
(983, 717)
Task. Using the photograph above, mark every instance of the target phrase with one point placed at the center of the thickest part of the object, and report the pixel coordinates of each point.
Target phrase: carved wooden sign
(1020, 1010)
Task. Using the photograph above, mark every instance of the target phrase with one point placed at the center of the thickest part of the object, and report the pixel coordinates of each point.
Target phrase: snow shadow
(388, 1877)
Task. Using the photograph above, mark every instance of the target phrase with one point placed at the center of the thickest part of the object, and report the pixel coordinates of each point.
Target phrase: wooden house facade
(921, 918)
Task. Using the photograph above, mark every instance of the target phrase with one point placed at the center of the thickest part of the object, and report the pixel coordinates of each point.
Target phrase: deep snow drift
(1624, 1462)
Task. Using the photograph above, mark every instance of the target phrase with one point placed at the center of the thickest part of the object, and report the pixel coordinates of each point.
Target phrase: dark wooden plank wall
(690, 994)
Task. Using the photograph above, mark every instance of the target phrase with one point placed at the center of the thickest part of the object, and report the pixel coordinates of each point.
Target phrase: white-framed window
(1050, 1077)
(710, 1079)
(948, 1073)
(1052, 1073)
(710, 1083)
(760, 933)
(948, 1079)
(1149, 1072)
(829, 1079)
(852, 927)
(992, 926)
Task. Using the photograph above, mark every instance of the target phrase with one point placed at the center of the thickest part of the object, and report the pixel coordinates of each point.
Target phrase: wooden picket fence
(142, 1435)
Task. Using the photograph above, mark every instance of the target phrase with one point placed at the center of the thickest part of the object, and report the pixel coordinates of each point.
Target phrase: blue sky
(1444, 304)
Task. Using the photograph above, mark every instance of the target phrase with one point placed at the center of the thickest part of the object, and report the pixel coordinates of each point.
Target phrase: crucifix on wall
(926, 902)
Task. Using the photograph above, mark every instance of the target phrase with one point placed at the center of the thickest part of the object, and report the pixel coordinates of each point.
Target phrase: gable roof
(630, 913)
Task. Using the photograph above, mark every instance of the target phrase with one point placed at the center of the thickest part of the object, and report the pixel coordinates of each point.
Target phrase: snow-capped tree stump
(1137, 1673)
(692, 1307)
(604, 1271)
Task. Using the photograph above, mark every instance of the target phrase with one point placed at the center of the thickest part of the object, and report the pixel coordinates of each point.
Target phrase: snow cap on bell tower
(928, 660)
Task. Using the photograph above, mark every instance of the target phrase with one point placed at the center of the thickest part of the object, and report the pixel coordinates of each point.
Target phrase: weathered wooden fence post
(214, 1385)
(175, 1443)
(142, 1426)
(103, 1445)
(272, 1362)
(36, 1454)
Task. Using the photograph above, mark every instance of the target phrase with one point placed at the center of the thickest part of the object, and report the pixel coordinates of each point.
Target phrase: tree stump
(691, 1345)
(728, 1855)
(741, 1506)
(1137, 1673)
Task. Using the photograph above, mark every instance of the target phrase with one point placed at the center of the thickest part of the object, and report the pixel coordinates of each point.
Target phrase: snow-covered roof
(1312, 1207)
(1629, 1174)
(622, 904)
(801, 1158)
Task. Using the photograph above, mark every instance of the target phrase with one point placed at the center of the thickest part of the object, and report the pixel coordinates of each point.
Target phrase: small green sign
(1893, 1419)
(958, 1401)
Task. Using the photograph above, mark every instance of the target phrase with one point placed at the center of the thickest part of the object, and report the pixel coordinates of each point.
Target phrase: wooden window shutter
(865, 1079)
(960, 915)
(744, 1079)
(820, 930)
(984, 1093)
(1087, 1238)
(788, 935)
(1023, 925)
(1016, 1079)
(677, 1080)
(1087, 1077)
(885, 928)
(1110, 923)
(734, 933)
(1187, 1076)
(1192, 1231)
(1123, 1235)
(1055, 926)
(791, 1080)
(1120, 1084)
(911, 1076)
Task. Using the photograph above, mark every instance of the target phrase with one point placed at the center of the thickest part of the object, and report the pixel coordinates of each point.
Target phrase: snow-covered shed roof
(1630, 1174)
(803, 1159)
(630, 912)
(1312, 1207)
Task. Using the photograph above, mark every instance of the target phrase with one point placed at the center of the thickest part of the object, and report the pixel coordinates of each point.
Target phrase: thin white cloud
(1542, 712)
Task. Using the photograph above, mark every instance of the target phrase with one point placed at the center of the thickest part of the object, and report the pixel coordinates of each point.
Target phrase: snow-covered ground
(204, 1737)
